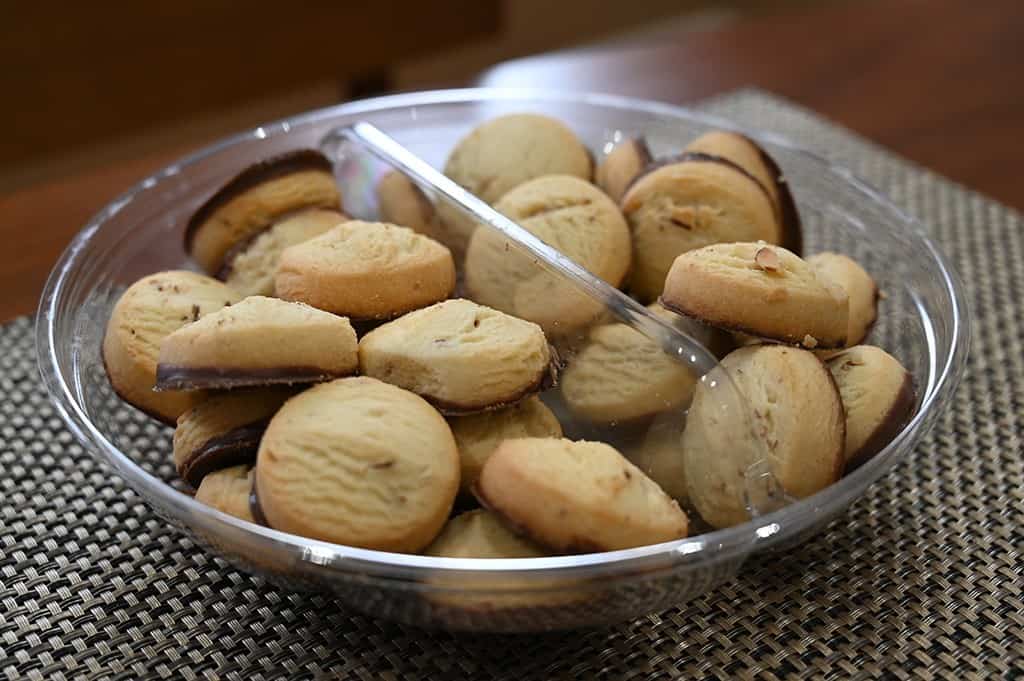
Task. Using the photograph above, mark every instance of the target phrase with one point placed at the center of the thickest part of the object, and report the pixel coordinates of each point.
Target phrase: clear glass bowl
(923, 321)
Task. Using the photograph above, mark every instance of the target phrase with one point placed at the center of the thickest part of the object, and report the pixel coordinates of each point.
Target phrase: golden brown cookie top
(460, 356)
(358, 462)
(759, 289)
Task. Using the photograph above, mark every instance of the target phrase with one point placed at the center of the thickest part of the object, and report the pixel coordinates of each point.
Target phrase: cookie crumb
(809, 342)
(882, 295)
(767, 259)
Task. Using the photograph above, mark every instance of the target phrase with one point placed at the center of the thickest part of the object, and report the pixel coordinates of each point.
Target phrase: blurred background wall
(87, 83)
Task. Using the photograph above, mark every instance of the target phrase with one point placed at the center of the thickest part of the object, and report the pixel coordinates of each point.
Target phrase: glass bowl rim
(761, 531)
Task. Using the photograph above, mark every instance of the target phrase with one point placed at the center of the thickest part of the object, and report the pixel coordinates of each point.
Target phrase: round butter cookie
(249, 267)
(860, 289)
(255, 199)
(796, 422)
(223, 430)
(501, 154)
(401, 202)
(760, 290)
(147, 312)
(366, 270)
(481, 534)
(748, 154)
(460, 356)
(878, 395)
(478, 435)
(659, 454)
(688, 203)
(577, 497)
(358, 462)
(259, 341)
(568, 214)
(621, 375)
(621, 166)
(229, 490)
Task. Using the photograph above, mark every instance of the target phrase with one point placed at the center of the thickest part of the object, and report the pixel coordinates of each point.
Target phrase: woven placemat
(921, 579)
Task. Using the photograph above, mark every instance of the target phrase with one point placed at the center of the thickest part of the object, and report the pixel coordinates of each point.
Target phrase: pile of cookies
(354, 380)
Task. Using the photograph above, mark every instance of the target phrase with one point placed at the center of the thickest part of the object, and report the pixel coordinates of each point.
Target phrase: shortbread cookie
(460, 356)
(478, 435)
(659, 454)
(249, 267)
(795, 422)
(878, 395)
(621, 375)
(401, 202)
(367, 270)
(719, 342)
(256, 198)
(501, 154)
(760, 290)
(358, 462)
(689, 203)
(481, 534)
(229, 490)
(577, 497)
(150, 310)
(621, 166)
(860, 289)
(224, 431)
(750, 156)
(259, 341)
(570, 215)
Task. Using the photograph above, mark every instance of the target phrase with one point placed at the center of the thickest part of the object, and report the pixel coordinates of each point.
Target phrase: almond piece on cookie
(761, 290)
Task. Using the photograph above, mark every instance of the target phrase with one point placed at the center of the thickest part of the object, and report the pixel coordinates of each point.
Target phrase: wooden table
(940, 81)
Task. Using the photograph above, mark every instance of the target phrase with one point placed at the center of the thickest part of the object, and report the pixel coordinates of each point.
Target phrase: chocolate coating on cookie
(254, 506)
(237, 446)
(789, 216)
(172, 377)
(256, 174)
(898, 416)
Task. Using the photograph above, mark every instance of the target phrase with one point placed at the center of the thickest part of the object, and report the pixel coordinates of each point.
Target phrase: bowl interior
(920, 322)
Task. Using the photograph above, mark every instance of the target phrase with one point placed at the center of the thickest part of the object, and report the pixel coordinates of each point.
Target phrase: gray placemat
(922, 579)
